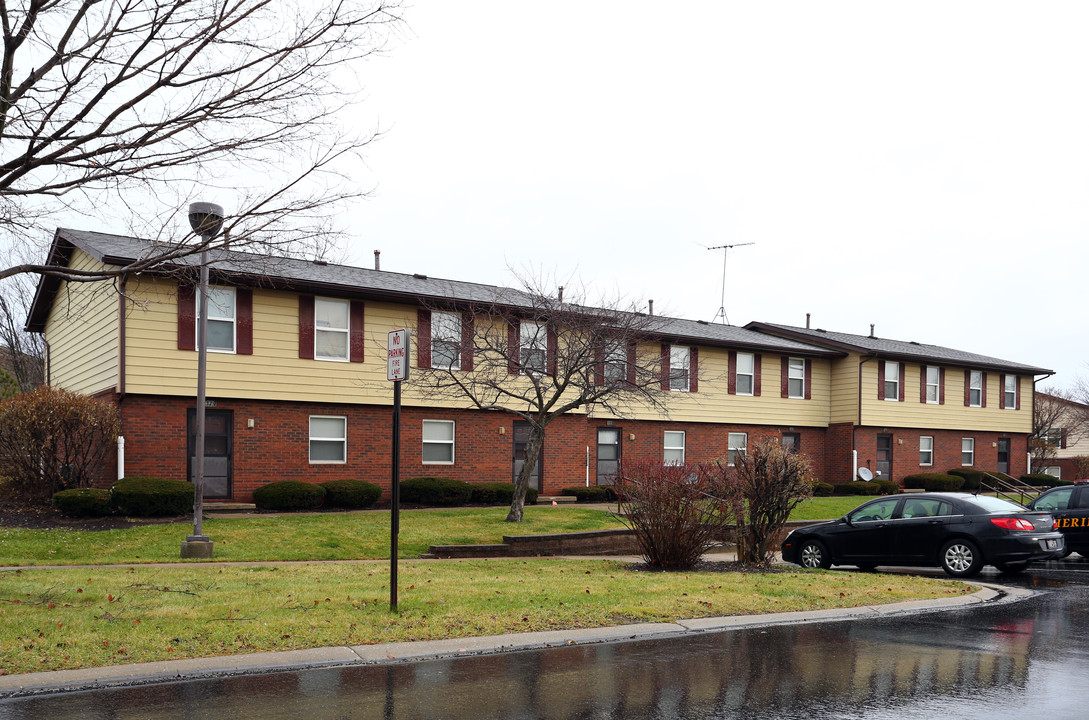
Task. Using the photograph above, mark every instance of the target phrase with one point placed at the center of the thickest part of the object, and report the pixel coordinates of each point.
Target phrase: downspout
(48, 362)
(854, 430)
(121, 341)
(1028, 455)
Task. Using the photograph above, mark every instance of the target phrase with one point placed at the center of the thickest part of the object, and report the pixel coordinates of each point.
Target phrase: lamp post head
(206, 219)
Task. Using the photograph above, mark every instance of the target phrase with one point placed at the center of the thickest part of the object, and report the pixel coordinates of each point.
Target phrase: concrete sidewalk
(256, 663)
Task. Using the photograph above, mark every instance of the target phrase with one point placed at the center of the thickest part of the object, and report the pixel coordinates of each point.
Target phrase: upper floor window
(933, 385)
(674, 447)
(1053, 437)
(680, 363)
(1009, 392)
(331, 329)
(892, 380)
(221, 319)
(736, 443)
(446, 340)
(975, 388)
(796, 378)
(533, 346)
(616, 362)
(746, 370)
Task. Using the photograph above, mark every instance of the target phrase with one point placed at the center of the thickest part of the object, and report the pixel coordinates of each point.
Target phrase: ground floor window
(328, 439)
(967, 451)
(1054, 471)
(438, 442)
(926, 450)
(674, 447)
(737, 443)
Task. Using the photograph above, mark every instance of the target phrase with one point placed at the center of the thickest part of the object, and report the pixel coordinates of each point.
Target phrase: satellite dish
(865, 473)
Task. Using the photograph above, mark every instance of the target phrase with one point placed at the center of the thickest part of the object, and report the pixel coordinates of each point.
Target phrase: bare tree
(137, 105)
(1057, 414)
(535, 356)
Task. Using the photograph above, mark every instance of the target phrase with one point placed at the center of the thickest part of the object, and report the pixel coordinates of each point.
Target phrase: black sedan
(958, 531)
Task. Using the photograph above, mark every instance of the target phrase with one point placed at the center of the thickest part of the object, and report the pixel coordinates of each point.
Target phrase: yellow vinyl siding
(843, 399)
(82, 332)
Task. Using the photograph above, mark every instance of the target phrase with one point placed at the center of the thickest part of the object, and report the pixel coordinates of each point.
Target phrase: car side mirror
(845, 520)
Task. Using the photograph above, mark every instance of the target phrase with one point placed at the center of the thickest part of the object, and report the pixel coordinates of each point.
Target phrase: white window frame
(345, 331)
(533, 346)
(446, 331)
(926, 450)
(616, 362)
(796, 374)
(1052, 437)
(933, 389)
(892, 378)
(680, 368)
(968, 450)
(735, 443)
(342, 439)
(1009, 387)
(1054, 471)
(743, 359)
(432, 441)
(213, 317)
(674, 447)
(975, 388)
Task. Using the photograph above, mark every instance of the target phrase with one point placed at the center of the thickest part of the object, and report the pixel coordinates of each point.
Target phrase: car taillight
(1013, 523)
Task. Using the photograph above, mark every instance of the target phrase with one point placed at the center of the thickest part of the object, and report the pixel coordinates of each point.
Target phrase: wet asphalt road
(1022, 659)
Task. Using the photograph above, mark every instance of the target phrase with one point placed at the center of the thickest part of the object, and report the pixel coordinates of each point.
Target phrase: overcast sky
(921, 166)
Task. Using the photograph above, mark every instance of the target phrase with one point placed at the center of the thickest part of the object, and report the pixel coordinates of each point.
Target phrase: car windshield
(991, 504)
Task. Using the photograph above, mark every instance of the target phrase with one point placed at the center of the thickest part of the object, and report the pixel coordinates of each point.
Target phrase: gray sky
(922, 166)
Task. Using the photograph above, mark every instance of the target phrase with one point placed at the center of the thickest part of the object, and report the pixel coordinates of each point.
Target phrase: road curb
(406, 652)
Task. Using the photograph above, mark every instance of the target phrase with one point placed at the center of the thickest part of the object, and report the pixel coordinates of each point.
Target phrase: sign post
(396, 372)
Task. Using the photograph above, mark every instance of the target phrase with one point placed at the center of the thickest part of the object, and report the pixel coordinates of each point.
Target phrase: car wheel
(1011, 568)
(961, 558)
(813, 554)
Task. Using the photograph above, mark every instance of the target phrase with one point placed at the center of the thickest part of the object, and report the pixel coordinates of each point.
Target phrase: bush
(934, 482)
(151, 497)
(972, 478)
(859, 487)
(83, 502)
(351, 494)
(591, 494)
(498, 493)
(289, 496)
(823, 489)
(1044, 480)
(442, 492)
(53, 439)
(887, 487)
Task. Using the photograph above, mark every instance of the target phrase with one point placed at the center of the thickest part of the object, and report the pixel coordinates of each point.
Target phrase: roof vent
(912, 342)
(871, 331)
(821, 330)
(320, 262)
(703, 322)
(419, 276)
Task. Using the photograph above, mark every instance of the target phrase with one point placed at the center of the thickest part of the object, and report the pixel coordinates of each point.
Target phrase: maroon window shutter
(784, 376)
(599, 365)
(514, 346)
(941, 386)
(187, 317)
(666, 384)
(1002, 395)
(880, 379)
(1017, 394)
(468, 330)
(1062, 439)
(922, 383)
(423, 338)
(901, 382)
(553, 349)
(694, 369)
(631, 363)
(808, 379)
(355, 331)
(244, 339)
(983, 391)
(757, 374)
(967, 388)
(731, 384)
(306, 327)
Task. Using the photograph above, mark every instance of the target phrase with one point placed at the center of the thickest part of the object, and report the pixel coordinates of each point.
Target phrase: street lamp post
(206, 220)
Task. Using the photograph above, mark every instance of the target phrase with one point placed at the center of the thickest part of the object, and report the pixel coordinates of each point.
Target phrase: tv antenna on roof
(722, 308)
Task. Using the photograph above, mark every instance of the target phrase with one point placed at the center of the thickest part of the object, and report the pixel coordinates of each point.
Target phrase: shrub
(351, 494)
(934, 482)
(289, 496)
(1044, 480)
(498, 493)
(53, 439)
(1080, 463)
(823, 489)
(443, 492)
(83, 502)
(858, 487)
(151, 497)
(972, 478)
(591, 494)
(886, 487)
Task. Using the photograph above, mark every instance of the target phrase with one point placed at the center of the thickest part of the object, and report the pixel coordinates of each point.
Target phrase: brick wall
(947, 450)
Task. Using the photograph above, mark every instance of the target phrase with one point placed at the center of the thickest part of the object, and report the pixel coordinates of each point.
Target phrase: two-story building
(297, 385)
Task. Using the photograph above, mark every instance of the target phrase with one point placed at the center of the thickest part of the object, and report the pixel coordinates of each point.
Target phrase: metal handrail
(1008, 488)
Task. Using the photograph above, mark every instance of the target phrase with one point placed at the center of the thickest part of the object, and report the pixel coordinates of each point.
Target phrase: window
(533, 345)
(616, 368)
(967, 451)
(933, 385)
(221, 316)
(877, 510)
(737, 443)
(916, 508)
(792, 442)
(975, 388)
(446, 340)
(796, 378)
(1055, 500)
(674, 447)
(1053, 437)
(926, 450)
(1010, 392)
(331, 329)
(1054, 471)
(892, 380)
(745, 373)
(680, 359)
(438, 442)
(328, 439)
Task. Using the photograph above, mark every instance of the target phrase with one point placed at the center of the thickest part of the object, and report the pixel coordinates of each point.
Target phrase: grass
(828, 508)
(63, 618)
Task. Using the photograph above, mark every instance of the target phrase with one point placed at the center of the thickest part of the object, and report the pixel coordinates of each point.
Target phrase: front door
(218, 449)
(884, 457)
(1004, 455)
(608, 454)
(521, 442)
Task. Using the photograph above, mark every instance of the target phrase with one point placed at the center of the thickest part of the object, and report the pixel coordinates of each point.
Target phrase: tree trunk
(521, 485)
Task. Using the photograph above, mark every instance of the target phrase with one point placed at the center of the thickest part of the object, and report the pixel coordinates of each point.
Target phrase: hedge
(934, 482)
(1044, 480)
(151, 497)
(823, 489)
(858, 487)
(443, 492)
(593, 493)
(351, 494)
(289, 496)
(972, 478)
(498, 493)
(83, 502)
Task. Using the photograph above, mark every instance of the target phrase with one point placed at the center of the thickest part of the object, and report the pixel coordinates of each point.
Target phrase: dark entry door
(521, 442)
(884, 457)
(608, 454)
(218, 450)
(1004, 455)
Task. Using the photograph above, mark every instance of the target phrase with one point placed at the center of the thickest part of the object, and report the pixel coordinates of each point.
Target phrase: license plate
(1052, 544)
